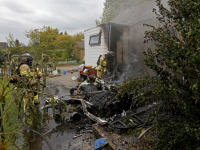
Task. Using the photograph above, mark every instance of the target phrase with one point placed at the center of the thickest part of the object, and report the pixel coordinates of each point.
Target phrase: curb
(99, 134)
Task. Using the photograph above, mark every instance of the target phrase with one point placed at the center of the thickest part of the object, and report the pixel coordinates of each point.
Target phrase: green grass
(11, 123)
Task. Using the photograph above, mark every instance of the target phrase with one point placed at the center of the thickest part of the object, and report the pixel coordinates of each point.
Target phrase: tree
(68, 43)
(42, 39)
(176, 60)
(112, 8)
(13, 44)
(65, 32)
(79, 36)
(63, 41)
(17, 44)
(11, 40)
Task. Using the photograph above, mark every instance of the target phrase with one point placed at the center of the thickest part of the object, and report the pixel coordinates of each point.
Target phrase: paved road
(64, 79)
(60, 135)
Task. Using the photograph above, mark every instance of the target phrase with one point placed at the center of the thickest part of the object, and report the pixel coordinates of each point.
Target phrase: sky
(72, 16)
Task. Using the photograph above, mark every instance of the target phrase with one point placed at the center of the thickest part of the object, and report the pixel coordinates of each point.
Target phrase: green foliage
(17, 44)
(65, 32)
(46, 40)
(60, 64)
(15, 47)
(65, 55)
(10, 122)
(57, 53)
(79, 36)
(135, 132)
(12, 110)
(11, 40)
(42, 39)
(81, 62)
(1, 51)
(176, 62)
(46, 58)
(67, 43)
(112, 9)
(51, 41)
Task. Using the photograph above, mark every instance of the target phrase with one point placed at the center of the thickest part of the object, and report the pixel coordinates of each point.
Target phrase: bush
(73, 62)
(60, 63)
(81, 62)
(175, 60)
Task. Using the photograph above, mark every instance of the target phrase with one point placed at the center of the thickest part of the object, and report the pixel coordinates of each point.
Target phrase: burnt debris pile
(100, 103)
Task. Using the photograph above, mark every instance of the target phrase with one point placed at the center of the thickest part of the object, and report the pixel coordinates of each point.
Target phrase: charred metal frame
(84, 104)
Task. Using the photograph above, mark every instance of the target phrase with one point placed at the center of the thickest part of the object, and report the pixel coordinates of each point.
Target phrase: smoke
(133, 58)
(128, 38)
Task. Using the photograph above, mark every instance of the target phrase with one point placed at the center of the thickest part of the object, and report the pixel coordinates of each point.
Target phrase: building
(4, 45)
(81, 50)
(124, 35)
(96, 43)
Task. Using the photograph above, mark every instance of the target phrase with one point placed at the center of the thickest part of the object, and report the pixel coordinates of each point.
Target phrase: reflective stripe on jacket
(25, 71)
(38, 72)
(103, 61)
(100, 68)
(102, 64)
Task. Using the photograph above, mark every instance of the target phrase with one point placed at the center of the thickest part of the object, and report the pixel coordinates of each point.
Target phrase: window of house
(95, 39)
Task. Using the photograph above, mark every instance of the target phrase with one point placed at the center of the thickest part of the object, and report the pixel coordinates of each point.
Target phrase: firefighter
(29, 81)
(103, 64)
(14, 64)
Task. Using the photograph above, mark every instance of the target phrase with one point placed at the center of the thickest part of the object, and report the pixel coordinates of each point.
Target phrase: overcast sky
(74, 16)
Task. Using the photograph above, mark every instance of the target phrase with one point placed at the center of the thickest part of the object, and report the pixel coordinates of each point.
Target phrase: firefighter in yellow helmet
(103, 64)
(29, 81)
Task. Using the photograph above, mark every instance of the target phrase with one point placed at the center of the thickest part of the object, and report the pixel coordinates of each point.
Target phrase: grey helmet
(110, 55)
(28, 57)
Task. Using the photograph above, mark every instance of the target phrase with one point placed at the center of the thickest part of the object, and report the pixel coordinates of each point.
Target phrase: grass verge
(11, 123)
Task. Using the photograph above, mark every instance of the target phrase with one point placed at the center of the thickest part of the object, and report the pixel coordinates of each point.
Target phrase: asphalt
(61, 135)
(65, 79)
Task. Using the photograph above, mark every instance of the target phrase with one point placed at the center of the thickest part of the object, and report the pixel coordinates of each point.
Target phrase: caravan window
(95, 39)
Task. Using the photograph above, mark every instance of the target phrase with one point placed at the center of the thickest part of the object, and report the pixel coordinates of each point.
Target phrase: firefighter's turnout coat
(101, 70)
(30, 77)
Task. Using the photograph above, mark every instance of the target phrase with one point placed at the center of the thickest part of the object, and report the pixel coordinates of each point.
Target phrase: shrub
(60, 64)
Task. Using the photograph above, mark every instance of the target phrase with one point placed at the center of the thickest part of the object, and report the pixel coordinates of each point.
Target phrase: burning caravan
(124, 36)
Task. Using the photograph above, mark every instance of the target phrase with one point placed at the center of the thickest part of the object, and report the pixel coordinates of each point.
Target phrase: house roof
(81, 44)
(139, 14)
